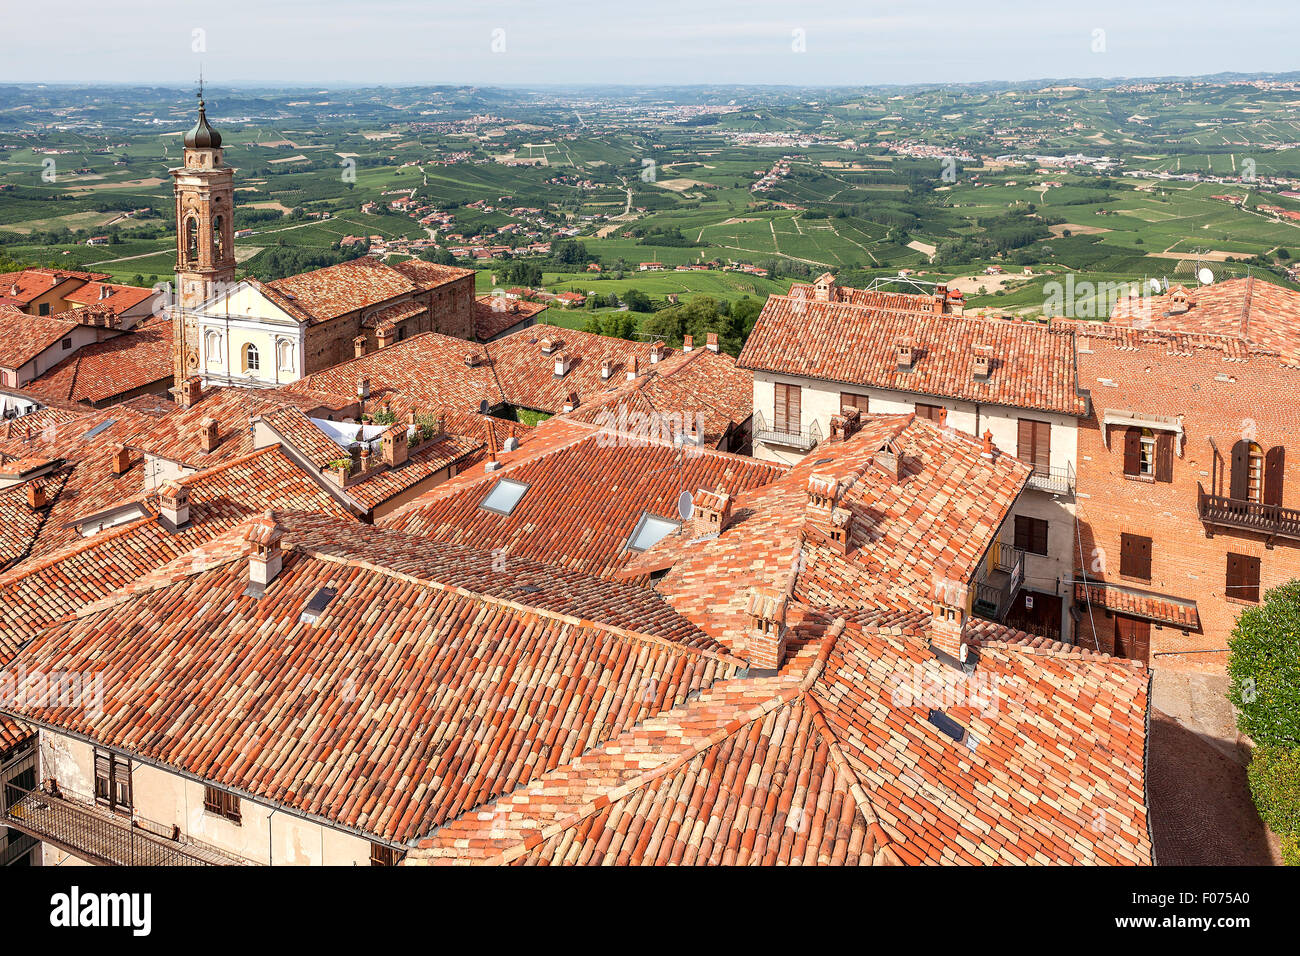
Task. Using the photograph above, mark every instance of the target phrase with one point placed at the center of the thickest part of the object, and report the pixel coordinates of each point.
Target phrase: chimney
(948, 617)
(904, 352)
(710, 513)
(987, 451)
(563, 363)
(474, 359)
(491, 464)
(571, 402)
(766, 636)
(822, 514)
(889, 460)
(208, 434)
(656, 353)
(267, 559)
(359, 346)
(549, 345)
(940, 298)
(174, 504)
(1179, 301)
(385, 335)
(363, 387)
(191, 391)
(121, 460)
(981, 365)
(606, 369)
(393, 445)
(36, 498)
(632, 370)
(711, 343)
(846, 424)
(824, 288)
(688, 343)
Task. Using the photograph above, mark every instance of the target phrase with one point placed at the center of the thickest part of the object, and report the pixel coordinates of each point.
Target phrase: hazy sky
(355, 42)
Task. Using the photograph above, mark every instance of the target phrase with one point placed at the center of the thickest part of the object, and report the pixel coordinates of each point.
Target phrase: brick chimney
(267, 559)
(710, 513)
(174, 504)
(766, 637)
(359, 346)
(36, 497)
(191, 391)
(363, 387)
(688, 343)
(845, 424)
(987, 450)
(121, 460)
(822, 514)
(1179, 301)
(711, 342)
(208, 439)
(824, 288)
(656, 353)
(633, 370)
(549, 345)
(981, 365)
(903, 349)
(563, 363)
(474, 359)
(948, 616)
(606, 369)
(393, 446)
(888, 460)
(940, 299)
(571, 402)
(385, 335)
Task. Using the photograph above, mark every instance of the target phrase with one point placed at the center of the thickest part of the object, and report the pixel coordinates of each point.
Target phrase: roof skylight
(503, 497)
(650, 530)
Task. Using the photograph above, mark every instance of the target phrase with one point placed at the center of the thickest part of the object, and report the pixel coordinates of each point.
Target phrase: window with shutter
(1132, 451)
(222, 803)
(1034, 444)
(1135, 556)
(112, 781)
(1274, 469)
(1164, 457)
(1239, 480)
(933, 412)
(1031, 534)
(787, 411)
(854, 400)
(1243, 577)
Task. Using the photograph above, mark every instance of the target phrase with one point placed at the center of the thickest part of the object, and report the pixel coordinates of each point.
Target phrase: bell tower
(205, 233)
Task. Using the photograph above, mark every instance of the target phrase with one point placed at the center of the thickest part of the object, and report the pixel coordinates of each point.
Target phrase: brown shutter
(779, 415)
(1024, 439)
(1043, 445)
(1164, 457)
(1250, 578)
(1144, 558)
(1132, 451)
(1274, 467)
(1022, 533)
(792, 409)
(1240, 486)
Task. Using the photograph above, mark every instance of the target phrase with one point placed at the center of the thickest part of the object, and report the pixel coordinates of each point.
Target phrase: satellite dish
(1155, 285)
(1206, 276)
(685, 506)
(483, 406)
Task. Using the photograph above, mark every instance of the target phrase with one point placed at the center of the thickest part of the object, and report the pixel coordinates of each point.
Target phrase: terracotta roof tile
(104, 370)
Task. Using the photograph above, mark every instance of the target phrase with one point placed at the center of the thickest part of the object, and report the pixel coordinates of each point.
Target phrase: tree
(1264, 670)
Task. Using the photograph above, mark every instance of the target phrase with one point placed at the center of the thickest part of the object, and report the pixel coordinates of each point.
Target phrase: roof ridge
(607, 795)
(68, 551)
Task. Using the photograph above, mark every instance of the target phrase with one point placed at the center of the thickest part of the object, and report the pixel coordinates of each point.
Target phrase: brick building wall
(1221, 396)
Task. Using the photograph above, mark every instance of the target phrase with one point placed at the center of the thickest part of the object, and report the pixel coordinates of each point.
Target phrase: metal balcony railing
(98, 835)
(1271, 520)
(996, 586)
(804, 439)
(1055, 480)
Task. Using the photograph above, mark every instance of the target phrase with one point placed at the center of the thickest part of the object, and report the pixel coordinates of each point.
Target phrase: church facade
(263, 335)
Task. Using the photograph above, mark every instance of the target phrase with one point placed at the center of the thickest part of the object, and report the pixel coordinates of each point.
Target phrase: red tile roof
(1032, 366)
(23, 337)
(104, 370)
(495, 314)
(117, 298)
(29, 284)
(405, 704)
(356, 284)
(1153, 607)
(1251, 309)
(586, 493)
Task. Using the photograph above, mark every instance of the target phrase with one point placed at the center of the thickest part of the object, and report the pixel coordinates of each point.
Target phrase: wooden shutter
(854, 400)
(1132, 451)
(1164, 457)
(1274, 467)
(779, 411)
(1022, 533)
(1024, 439)
(1243, 577)
(1031, 534)
(793, 410)
(1240, 481)
(1135, 556)
(1043, 446)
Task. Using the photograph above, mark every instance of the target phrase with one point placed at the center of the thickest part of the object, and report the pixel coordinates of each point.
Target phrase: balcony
(1273, 521)
(1055, 480)
(78, 826)
(804, 440)
(997, 584)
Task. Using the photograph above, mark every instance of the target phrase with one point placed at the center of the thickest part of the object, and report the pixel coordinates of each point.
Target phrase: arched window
(192, 240)
(1247, 477)
(285, 348)
(212, 346)
(252, 362)
(217, 222)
